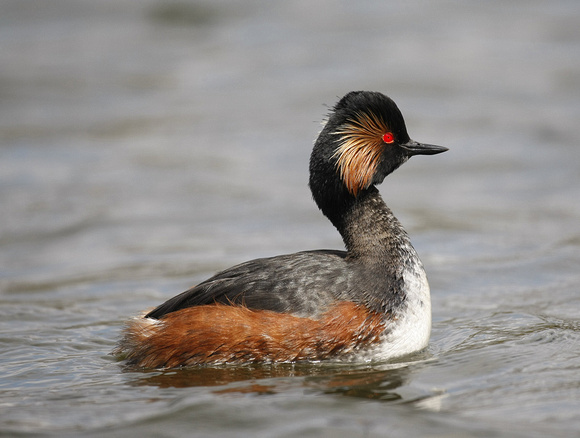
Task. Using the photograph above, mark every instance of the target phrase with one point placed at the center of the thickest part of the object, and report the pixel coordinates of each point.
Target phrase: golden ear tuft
(360, 149)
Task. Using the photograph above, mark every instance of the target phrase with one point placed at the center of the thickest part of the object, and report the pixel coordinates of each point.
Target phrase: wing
(303, 284)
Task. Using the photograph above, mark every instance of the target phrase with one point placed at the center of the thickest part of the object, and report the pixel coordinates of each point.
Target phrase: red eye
(388, 138)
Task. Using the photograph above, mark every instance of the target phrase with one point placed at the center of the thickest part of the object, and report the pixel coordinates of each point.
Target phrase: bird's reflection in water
(372, 381)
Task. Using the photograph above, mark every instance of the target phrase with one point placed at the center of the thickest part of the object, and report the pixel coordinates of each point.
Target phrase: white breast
(410, 328)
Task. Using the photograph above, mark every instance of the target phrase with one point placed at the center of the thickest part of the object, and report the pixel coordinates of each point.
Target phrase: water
(145, 146)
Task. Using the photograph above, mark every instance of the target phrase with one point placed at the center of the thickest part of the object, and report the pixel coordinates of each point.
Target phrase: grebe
(370, 301)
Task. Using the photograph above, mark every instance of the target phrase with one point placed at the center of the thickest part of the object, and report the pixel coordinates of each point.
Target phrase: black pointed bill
(415, 148)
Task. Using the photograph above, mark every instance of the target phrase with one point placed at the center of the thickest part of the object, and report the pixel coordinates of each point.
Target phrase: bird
(368, 302)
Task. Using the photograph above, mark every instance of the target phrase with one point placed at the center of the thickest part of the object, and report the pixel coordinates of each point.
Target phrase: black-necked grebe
(371, 300)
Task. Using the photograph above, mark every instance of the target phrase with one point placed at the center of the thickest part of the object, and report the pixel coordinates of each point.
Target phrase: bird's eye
(388, 138)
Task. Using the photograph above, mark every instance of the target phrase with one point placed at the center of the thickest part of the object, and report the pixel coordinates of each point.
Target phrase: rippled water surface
(144, 146)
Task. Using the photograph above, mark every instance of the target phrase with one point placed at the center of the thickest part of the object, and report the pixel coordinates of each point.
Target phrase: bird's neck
(368, 228)
(378, 249)
(371, 231)
(381, 253)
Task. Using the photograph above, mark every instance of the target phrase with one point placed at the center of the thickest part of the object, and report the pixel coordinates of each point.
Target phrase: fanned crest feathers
(360, 150)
